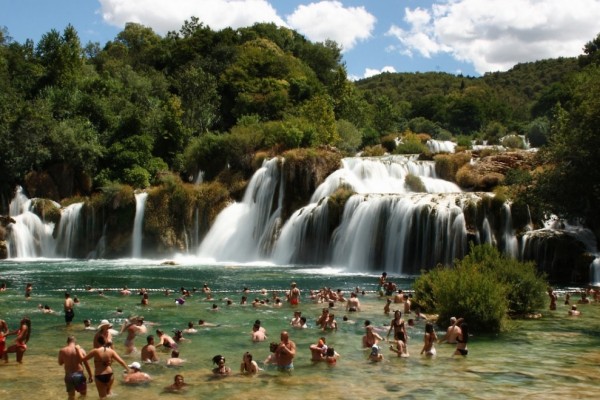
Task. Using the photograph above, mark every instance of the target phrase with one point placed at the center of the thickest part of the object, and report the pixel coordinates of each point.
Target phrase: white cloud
(331, 20)
(369, 72)
(168, 15)
(318, 21)
(497, 34)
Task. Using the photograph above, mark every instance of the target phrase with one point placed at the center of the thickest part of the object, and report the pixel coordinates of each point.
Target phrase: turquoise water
(553, 357)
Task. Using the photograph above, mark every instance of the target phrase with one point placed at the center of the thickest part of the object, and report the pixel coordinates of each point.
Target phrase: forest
(199, 102)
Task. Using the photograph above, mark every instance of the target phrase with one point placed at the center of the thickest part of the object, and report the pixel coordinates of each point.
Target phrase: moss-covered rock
(304, 170)
(489, 170)
(175, 209)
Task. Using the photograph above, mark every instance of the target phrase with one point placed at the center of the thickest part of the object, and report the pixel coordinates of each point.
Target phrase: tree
(200, 99)
(570, 185)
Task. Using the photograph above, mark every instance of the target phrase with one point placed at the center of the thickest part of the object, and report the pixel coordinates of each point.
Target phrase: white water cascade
(28, 236)
(138, 223)
(243, 231)
(69, 230)
(383, 226)
(441, 146)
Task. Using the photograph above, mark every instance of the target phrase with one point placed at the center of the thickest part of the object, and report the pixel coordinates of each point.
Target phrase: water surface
(553, 357)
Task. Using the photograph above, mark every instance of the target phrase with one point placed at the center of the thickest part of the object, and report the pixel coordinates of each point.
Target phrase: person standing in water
(68, 306)
(103, 357)
(286, 351)
(294, 296)
(72, 357)
(20, 345)
(429, 340)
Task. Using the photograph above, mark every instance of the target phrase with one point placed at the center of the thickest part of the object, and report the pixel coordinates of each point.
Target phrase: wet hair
(248, 356)
(429, 327)
(190, 324)
(217, 359)
(273, 347)
(175, 353)
(330, 352)
(149, 338)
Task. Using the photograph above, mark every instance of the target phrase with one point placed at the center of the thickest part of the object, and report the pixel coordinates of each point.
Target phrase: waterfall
(439, 146)
(383, 175)
(138, 224)
(28, 236)
(242, 230)
(19, 204)
(69, 231)
(401, 233)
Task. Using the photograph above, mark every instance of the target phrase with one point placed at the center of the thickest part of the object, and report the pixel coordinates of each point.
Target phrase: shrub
(411, 144)
(414, 183)
(466, 177)
(447, 165)
(464, 141)
(513, 142)
(389, 142)
(373, 151)
(350, 136)
(485, 287)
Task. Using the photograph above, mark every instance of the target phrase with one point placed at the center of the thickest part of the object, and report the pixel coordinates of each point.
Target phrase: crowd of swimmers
(78, 372)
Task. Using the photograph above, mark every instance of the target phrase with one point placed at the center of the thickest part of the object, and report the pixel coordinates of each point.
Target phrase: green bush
(414, 183)
(389, 142)
(373, 151)
(411, 144)
(484, 288)
(513, 142)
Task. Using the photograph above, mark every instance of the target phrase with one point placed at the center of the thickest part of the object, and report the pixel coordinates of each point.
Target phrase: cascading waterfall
(138, 224)
(383, 175)
(441, 146)
(243, 229)
(402, 233)
(383, 226)
(69, 230)
(28, 236)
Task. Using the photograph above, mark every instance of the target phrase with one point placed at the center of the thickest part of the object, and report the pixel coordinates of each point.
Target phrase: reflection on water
(553, 357)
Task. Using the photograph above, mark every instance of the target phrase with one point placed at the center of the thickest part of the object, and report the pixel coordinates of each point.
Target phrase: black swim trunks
(69, 315)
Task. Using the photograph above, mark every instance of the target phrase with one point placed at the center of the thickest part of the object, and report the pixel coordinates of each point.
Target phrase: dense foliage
(485, 287)
(75, 118)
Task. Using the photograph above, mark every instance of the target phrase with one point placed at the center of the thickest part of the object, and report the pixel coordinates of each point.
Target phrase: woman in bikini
(103, 372)
(400, 335)
(428, 340)
(20, 345)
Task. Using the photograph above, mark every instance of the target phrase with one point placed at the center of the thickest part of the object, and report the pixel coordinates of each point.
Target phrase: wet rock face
(561, 255)
(3, 250)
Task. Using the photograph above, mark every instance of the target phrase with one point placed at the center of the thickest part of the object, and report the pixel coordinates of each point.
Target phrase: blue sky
(455, 36)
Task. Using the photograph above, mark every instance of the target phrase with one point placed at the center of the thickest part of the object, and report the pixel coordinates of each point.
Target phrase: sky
(469, 37)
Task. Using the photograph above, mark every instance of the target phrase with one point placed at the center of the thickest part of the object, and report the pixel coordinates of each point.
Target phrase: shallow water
(553, 357)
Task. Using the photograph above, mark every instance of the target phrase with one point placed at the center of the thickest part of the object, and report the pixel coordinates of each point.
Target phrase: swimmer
(221, 369)
(178, 384)
(175, 361)
(248, 365)
(149, 350)
(135, 374)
